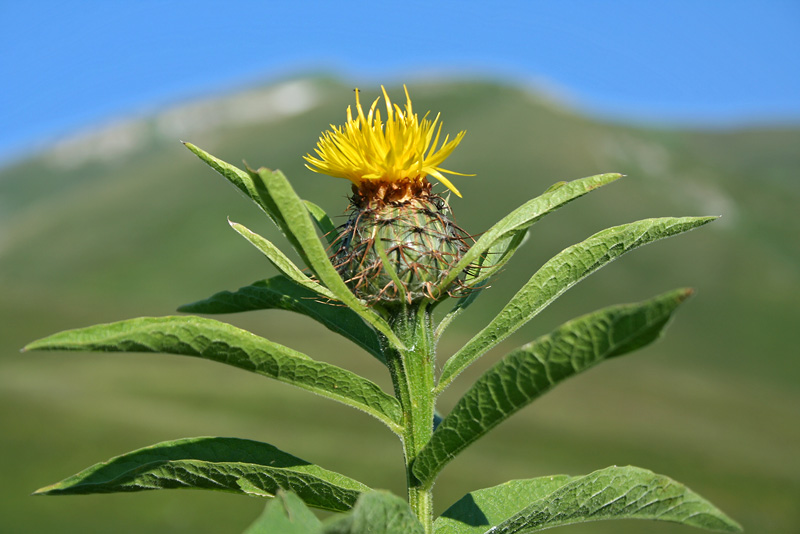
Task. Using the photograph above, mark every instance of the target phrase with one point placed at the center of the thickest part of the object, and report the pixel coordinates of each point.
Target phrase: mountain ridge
(93, 239)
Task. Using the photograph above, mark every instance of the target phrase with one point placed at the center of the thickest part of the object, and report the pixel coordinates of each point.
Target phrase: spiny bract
(400, 240)
(398, 252)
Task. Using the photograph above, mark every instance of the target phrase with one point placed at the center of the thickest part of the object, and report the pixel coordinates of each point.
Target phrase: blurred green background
(125, 222)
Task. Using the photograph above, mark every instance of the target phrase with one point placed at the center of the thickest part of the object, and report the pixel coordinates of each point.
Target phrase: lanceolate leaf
(273, 193)
(478, 276)
(559, 274)
(478, 511)
(226, 464)
(533, 369)
(251, 185)
(285, 514)
(280, 292)
(296, 216)
(526, 215)
(323, 222)
(497, 256)
(234, 175)
(221, 342)
(280, 261)
(611, 493)
(274, 209)
(377, 512)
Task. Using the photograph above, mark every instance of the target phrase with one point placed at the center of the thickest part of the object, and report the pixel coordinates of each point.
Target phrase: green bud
(398, 252)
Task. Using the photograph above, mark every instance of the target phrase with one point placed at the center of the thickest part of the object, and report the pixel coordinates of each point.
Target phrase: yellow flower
(371, 153)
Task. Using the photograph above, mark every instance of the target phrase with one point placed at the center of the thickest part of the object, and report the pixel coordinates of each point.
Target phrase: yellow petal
(401, 148)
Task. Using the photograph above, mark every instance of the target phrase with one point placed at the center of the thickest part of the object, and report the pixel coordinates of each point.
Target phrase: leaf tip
(686, 293)
(734, 526)
(33, 345)
(599, 180)
(43, 491)
(722, 523)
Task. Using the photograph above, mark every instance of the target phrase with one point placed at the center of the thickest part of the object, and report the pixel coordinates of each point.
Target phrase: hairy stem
(413, 377)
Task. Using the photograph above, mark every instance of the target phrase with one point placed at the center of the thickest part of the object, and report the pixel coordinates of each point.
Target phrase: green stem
(413, 377)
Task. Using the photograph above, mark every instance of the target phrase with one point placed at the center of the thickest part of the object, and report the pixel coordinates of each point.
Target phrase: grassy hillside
(125, 222)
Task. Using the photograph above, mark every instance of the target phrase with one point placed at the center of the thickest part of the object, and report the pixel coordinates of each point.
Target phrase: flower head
(379, 157)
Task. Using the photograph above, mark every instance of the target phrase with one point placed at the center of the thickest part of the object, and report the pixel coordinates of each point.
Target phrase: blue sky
(69, 64)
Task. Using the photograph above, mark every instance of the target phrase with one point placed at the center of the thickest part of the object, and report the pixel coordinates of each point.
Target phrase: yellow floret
(402, 149)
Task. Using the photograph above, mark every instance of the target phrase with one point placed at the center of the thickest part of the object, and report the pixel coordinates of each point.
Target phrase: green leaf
(280, 292)
(376, 512)
(497, 256)
(285, 514)
(251, 185)
(274, 209)
(296, 216)
(611, 493)
(555, 186)
(560, 273)
(280, 261)
(226, 464)
(479, 510)
(323, 222)
(533, 369)
(221, 342)
(233, 174)
(477, 277)
(526, 215)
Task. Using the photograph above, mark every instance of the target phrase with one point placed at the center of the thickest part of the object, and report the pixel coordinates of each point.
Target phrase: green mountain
(123, 221)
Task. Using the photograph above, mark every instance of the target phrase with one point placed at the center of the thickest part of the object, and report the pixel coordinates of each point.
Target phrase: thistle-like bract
(400, 240)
